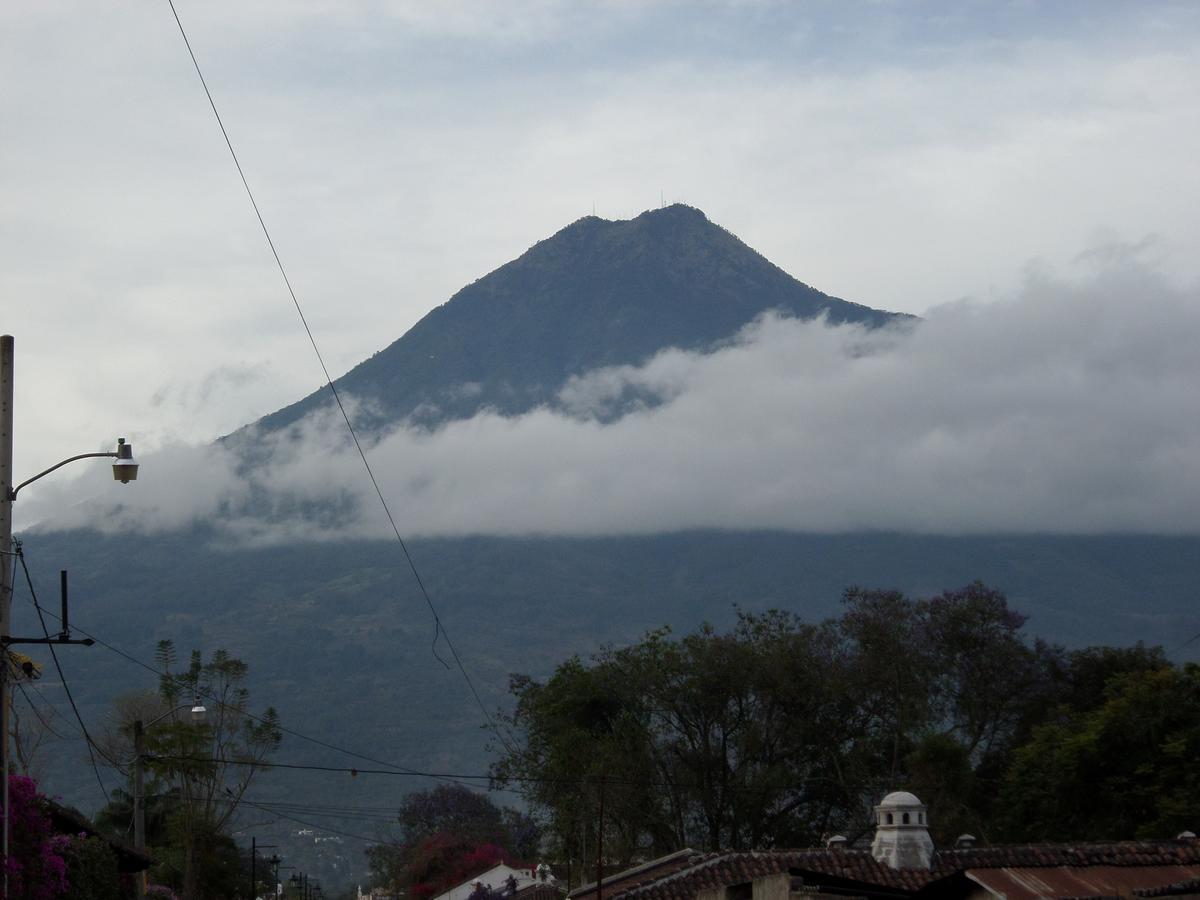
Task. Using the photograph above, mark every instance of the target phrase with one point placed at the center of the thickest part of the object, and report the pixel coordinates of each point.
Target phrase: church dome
(900, 798)
(901, 833)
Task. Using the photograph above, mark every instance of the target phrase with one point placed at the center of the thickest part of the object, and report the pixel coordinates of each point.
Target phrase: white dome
(900, 798)
(901, 834)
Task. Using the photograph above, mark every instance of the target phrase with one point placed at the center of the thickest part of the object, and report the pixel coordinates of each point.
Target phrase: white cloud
(1069, 406)
(876, 152)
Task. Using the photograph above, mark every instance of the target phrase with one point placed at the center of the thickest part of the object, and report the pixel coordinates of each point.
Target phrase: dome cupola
(901, 833)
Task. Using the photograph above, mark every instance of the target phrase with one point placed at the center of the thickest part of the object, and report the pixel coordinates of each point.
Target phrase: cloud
(1068, 406)
(397, 153)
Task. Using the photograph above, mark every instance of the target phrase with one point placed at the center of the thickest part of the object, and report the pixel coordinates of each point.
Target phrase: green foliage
(92, 872)
(35, 868)
(197, 772)
(1123, 769)
(523, 604)
(448, 834)
(780, 730)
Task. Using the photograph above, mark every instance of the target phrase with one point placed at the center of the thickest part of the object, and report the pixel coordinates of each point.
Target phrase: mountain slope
(597, 293)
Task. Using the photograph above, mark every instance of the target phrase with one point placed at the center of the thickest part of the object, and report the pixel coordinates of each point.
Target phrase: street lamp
(197, 713)
(125, 469)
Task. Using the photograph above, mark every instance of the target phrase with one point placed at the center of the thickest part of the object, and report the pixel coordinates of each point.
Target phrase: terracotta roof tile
(719, 869)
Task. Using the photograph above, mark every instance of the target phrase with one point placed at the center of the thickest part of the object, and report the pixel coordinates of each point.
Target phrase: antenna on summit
(662, 201)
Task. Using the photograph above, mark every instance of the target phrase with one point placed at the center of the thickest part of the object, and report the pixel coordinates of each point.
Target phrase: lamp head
(125, 467)
(198, 711)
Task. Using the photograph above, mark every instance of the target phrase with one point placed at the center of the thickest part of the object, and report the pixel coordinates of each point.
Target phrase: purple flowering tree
(36, 866)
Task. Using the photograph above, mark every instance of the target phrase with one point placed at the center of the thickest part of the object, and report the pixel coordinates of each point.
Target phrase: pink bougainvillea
(36, 868)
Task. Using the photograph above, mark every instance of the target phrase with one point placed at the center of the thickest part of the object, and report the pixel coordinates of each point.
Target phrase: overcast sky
(1033, 159)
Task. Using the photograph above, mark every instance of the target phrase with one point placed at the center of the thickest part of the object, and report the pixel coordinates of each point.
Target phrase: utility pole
(139, 803)
(255, 846)
(124, 470)
(6, 557)
(600, 846)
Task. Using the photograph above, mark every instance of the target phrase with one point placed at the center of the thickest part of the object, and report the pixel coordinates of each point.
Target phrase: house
(902, 863)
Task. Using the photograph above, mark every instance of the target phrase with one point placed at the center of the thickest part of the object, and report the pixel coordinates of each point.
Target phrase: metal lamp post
(124, 470)
(198, 713)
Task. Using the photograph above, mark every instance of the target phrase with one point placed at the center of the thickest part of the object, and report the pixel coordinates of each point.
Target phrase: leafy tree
(116, 816)
(452, 809)
(448, 834)
(92, 872)
(441, 861)
(212, 763)
(36, 866)
(779, 730)
(1125, 769)
(196, 772)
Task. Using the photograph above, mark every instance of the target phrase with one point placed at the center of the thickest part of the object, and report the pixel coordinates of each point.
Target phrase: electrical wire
(472, 780)
(1190, 640)
(180, 681)
(439, 628)
(349, 815)
(92, 747)
(395, 769)
(392, 811)
(522, 779)
(357, 837)
(40, 717)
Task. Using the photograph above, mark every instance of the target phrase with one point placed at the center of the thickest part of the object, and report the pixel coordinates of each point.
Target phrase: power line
(37, 713)
(439, 628)
(357, 837)
(461, 778)
(346, 815)
(523, 779)
(394, 768)
(392, 810)
(92, 747)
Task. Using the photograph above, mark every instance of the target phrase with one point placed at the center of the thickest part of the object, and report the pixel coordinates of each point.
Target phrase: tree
(779, 730)
(92, 870)
(212, 763)
(441, 861)
(452, 809)
(36, 864)
(200, 770)
(1124, 769)
(448, 834)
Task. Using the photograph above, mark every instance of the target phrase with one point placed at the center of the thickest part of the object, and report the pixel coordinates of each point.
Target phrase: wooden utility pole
(600, 847)
(6, 565)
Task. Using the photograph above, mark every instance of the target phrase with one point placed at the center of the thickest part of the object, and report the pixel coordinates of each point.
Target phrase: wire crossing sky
(905, 156)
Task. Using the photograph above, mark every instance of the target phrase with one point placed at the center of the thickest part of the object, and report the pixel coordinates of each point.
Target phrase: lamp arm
(12, 495)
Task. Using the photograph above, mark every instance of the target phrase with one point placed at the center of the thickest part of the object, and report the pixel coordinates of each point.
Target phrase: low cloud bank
(1073, 406)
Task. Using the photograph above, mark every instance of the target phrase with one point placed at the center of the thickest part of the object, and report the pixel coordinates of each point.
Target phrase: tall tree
(777, 731)
(448, 834)
(1123, 769)
(198, 771)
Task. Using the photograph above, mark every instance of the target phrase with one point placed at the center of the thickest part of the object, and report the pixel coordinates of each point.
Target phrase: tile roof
(1190, 886)
(1031, 883)
(642, 873)
(721, 869)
